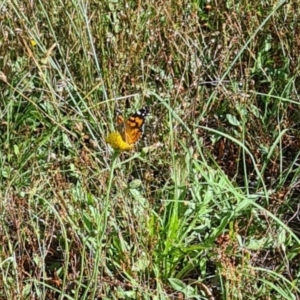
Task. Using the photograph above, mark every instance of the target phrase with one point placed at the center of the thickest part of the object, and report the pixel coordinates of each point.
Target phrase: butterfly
(129, 131)
(132, 129)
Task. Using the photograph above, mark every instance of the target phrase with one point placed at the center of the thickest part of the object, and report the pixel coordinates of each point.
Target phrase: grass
(206, 206)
